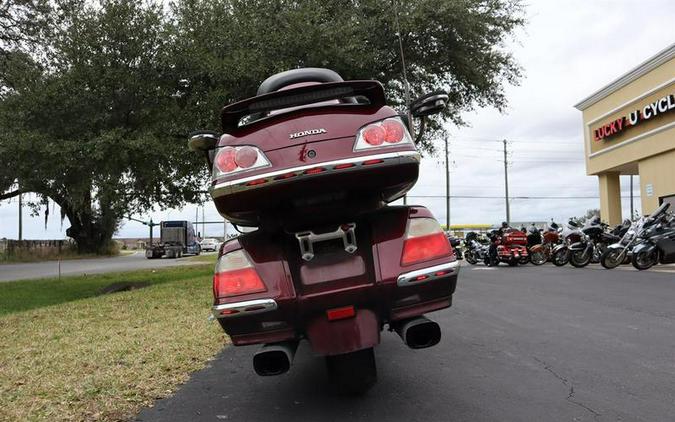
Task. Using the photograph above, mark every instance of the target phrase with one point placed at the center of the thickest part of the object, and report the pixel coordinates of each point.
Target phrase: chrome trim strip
(266, 305)
(220, 188)
(409, 279)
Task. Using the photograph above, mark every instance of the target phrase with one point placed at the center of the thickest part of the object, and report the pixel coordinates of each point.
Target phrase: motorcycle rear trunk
(330, 262)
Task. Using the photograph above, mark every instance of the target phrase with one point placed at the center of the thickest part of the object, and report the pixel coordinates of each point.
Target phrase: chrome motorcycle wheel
(578, 260)
(561, 257)
(612, 258)
(538, 258)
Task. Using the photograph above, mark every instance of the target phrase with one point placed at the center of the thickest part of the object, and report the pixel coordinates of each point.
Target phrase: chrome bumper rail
(295, 173)
(248, 307)
(427, 274)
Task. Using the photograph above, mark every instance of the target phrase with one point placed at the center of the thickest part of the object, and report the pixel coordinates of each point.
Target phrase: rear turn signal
(424, 241)
(235, 276)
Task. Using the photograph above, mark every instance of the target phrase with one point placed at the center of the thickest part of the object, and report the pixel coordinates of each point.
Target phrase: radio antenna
(406, 85)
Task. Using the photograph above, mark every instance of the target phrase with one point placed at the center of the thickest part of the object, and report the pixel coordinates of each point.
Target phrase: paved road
(520, 344)
(137, 261)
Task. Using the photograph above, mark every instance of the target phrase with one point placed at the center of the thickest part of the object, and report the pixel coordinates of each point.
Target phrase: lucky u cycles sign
(659, 107)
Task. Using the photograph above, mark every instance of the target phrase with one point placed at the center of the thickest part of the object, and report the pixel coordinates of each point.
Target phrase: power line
(513, 197)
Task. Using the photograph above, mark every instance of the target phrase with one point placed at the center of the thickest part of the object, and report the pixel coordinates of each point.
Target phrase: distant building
(629, 128)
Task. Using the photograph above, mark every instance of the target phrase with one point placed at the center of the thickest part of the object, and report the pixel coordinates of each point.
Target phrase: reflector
(340, 313)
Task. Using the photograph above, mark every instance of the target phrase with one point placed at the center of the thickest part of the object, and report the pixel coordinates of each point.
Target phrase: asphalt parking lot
(519, 344)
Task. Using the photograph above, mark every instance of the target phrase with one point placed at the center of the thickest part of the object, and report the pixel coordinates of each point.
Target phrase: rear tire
(577, 260)
(352, 373)
(611, 258)
(644, 260)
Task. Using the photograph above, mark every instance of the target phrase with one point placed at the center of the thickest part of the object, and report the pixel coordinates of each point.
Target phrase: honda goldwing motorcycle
(658, 241)
(593, 243)
(511, 248)
(312, 161)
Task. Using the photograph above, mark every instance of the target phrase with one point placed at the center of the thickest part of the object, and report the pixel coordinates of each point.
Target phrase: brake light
(374, 134)
(225, 159)
(235, 275)
(386, 133)
(393, 131)
(424, 241)
(231, 159)
(246, 157)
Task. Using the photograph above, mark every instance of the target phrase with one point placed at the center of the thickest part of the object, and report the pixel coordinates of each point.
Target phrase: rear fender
(343, 336)
(644, 247)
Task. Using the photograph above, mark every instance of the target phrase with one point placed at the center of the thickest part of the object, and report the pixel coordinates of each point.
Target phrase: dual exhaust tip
(277, 358)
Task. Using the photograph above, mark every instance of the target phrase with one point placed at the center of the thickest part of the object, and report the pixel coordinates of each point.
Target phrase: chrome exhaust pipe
(274, 358)
(418, 333)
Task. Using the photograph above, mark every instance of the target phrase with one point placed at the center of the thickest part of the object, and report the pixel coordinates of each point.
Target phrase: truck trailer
(176, 238)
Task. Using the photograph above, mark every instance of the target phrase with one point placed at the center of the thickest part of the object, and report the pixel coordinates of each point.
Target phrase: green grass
(210, 258)
(30, 294)
(68, 354)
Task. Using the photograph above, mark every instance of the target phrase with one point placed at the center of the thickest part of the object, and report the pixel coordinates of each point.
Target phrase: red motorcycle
(511, 248)
(312, 162)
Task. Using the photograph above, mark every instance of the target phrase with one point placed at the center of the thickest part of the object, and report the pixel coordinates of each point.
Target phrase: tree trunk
(90, 233)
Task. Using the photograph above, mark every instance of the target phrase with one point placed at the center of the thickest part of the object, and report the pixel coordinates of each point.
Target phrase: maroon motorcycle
(312, 162)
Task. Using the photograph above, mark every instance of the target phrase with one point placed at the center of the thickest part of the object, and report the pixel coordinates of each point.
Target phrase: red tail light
(235, 276)
(374, 134)
(394, 131)
(233, 159)
(225, 160)
(424, 241)
(246, 157)
(382, 134)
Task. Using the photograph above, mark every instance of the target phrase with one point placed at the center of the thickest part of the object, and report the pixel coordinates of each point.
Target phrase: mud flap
(329, 338)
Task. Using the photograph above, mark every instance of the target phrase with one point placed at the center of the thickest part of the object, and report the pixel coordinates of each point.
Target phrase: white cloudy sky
(568, 50)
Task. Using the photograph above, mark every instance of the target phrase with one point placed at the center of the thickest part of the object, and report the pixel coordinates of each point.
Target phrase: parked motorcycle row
(645, 242)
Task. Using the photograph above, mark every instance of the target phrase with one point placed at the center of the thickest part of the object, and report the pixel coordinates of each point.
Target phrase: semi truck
(176, 238)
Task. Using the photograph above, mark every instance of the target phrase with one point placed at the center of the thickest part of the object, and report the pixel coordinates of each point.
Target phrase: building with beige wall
(629, 128)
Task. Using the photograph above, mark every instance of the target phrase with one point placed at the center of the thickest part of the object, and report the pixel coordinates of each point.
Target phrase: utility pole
(20, 217)
(203, 224)
(506, 186)
(447, 186)
(632, 210)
